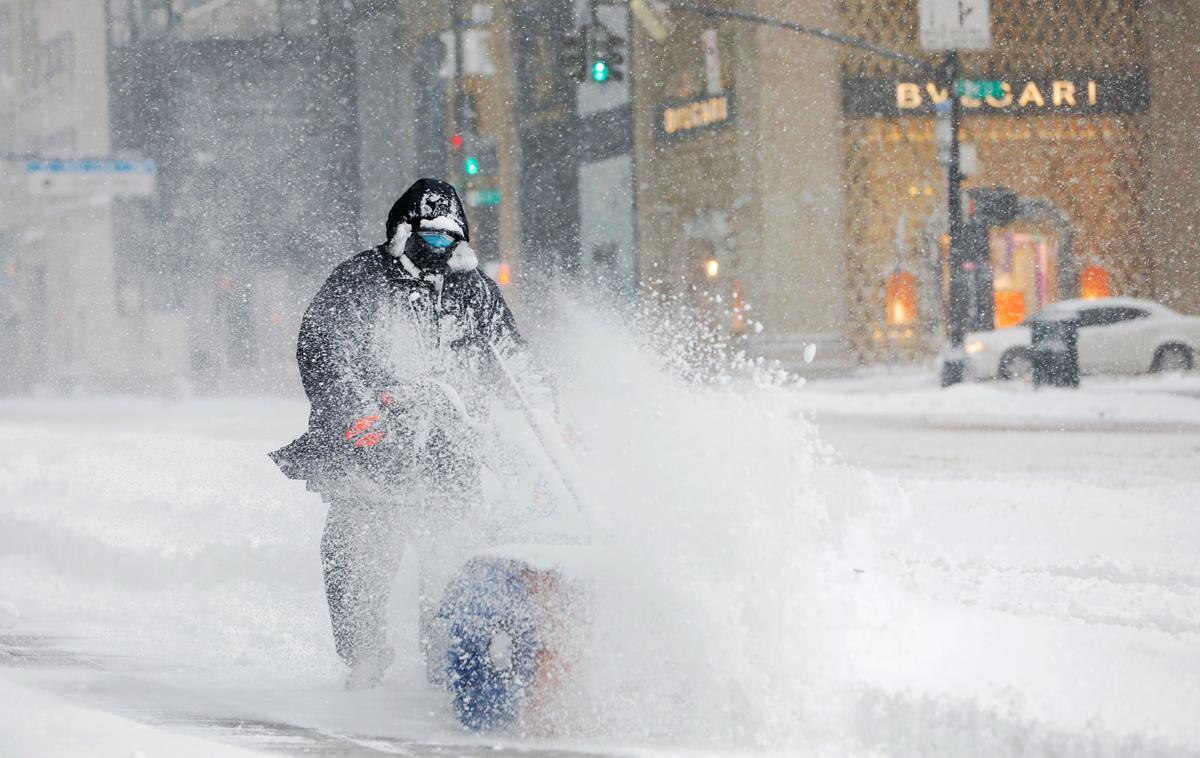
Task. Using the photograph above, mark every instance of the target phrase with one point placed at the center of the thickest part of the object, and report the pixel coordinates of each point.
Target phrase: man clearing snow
(395, 353)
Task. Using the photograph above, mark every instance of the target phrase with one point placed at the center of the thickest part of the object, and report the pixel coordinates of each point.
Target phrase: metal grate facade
(1089, 166)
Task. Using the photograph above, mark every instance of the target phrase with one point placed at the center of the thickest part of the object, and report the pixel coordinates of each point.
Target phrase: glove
(358, 435)
(359, 432)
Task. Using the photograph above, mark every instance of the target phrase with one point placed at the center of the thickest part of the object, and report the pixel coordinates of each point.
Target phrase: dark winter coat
(377, 325)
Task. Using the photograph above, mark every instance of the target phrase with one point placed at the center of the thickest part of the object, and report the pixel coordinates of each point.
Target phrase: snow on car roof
(1078, 303)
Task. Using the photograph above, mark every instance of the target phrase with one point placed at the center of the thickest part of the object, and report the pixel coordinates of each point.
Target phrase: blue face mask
(439, 240)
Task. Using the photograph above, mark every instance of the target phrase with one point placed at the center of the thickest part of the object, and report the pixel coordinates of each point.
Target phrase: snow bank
(914, 395)
(163, 529)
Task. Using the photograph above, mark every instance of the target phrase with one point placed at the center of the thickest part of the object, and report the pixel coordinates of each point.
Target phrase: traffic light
(592, 54)
(465, 150)
(599, 70)
(475, 153)
(607, 56)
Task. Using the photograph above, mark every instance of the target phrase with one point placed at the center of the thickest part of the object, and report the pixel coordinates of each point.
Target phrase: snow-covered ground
(1051, 556)
(861, 566)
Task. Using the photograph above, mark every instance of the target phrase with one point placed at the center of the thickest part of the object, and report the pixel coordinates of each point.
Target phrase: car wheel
(1172, 358)
(1016, 364)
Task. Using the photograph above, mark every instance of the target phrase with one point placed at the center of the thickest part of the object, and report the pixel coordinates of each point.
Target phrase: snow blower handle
(546, 439)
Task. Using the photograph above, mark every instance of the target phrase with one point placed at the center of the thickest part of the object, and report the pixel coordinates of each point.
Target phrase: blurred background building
(1089, 132)
(180, 175)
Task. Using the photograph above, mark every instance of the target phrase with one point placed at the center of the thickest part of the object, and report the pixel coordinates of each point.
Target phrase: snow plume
(741, 554)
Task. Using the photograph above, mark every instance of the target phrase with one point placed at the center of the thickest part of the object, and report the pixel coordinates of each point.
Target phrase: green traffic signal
(471, 165)
(600, 71)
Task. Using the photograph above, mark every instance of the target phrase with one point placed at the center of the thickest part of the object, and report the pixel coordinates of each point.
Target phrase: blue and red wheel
(496, 642)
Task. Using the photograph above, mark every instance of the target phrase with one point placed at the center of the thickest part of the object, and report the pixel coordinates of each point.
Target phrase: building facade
(784, 186)
(63, 320)
(1093, 102)
(740, 201)
(817, 183)
(280, 134)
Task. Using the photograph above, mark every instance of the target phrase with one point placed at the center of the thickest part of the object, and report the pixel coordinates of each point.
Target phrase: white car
(1117, 335)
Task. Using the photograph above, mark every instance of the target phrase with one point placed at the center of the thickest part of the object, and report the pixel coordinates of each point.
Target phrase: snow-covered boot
(368, 669)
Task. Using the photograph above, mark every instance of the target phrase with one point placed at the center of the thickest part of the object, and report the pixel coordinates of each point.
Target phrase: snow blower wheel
(494, 648)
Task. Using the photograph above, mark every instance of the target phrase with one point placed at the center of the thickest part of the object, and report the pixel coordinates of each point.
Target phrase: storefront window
(1093, 282)
(1024, 270)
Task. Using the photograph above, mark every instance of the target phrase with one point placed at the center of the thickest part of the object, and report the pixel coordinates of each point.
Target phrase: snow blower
(515, 616)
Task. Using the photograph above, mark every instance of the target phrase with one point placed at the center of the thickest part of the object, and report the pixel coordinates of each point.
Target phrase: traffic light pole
(791, 26)
(954, 365)
(458, 102)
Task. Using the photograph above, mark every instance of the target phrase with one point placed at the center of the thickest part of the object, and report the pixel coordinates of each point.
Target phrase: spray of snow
(740, 555)
(739, 563)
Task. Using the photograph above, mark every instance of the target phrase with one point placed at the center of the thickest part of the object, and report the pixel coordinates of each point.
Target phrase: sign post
(90, 177)
(954, 25)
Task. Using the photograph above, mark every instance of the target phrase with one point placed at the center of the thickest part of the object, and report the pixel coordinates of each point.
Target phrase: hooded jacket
(379, 324)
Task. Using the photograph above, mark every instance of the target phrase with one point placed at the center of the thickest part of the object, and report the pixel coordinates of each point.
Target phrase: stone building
(820, 182)
(739, 162)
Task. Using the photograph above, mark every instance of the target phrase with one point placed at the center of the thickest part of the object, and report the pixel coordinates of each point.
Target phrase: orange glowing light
(504, 275)
(1010, 308)
(738, 324)
(1093, 282)
(712, 268)
(901, 298)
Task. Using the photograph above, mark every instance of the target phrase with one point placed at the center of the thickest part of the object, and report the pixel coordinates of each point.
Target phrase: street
(1013, 590)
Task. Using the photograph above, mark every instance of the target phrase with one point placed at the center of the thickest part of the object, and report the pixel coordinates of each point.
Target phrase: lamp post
(954, 365)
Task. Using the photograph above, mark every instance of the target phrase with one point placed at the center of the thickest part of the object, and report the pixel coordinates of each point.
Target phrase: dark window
(1109, 315)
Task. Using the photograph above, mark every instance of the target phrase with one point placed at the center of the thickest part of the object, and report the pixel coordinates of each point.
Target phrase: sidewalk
(1167, 404)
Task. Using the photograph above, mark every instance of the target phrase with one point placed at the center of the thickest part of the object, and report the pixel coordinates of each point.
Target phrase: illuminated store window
(901, 298)
(1024, 274)
(1093, 282)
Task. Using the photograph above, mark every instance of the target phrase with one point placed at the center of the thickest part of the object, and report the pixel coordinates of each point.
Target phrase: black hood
(427, 198)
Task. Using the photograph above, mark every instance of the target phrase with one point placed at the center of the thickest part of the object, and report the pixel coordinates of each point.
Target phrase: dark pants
(361, 550)
(360, 553)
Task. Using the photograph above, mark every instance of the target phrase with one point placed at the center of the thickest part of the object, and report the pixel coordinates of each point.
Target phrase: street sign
(476, 61)
(90, 177)
(478, 197)
(979, 89)
(651, 16)
(956, 25)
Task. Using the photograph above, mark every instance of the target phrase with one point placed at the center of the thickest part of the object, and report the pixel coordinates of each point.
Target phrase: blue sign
(90, 166)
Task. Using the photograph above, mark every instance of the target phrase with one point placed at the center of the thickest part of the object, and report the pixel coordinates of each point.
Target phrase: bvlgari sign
(685, 117)
(1127, 92)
